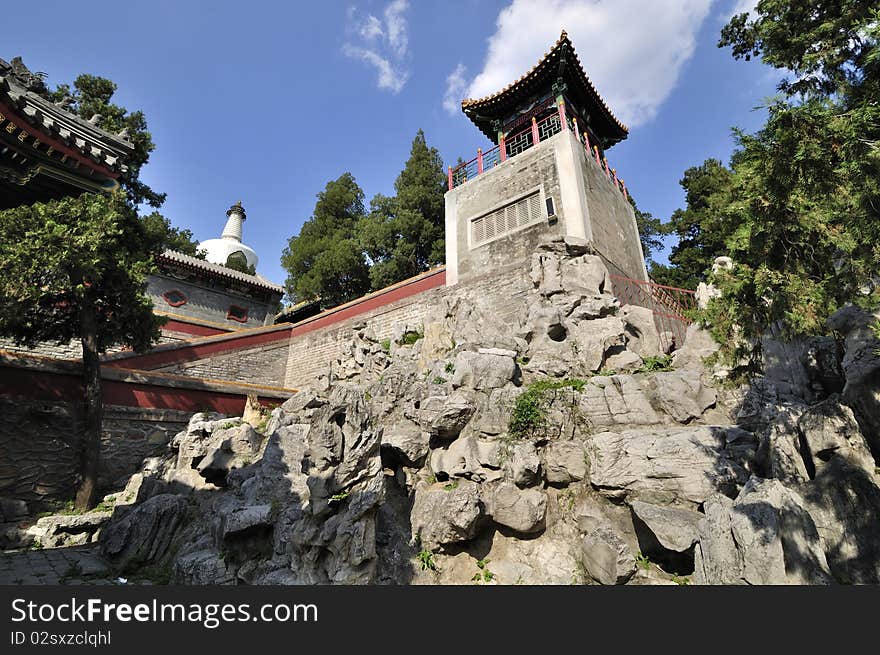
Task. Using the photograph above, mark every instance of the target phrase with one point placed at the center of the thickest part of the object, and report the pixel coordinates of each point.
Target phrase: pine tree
(325, 261)
(76, 269)
(404, 235)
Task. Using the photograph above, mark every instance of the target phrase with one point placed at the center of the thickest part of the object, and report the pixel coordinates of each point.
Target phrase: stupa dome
(229, 245)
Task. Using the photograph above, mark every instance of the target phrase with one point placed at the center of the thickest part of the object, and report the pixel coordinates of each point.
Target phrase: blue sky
(265, 102)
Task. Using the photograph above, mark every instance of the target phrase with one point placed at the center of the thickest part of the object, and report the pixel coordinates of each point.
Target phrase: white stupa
(229, 245)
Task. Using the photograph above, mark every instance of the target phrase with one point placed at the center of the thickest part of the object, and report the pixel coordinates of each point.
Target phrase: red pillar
(623, 186)
(503, 148)
(535, 137)
(574, 122)
(479, 160)
(614, 170)
(607, 172)
(596, 152)
(587, 143)
(562, 121)
(450, 178)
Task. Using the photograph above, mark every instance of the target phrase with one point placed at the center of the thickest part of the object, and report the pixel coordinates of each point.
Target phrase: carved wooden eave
(47, 151)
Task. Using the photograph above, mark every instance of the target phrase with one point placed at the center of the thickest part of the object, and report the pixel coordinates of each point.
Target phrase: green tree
(404, 235)
(803, 211)
(701, 228)
(651, 231)
(325, 261)
(76, 269)
(91, 99)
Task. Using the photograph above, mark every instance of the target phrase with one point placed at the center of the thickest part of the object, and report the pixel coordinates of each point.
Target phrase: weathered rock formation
(406, 467)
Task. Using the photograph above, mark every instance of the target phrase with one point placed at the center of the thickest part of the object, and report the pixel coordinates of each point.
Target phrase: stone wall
(264, 364)
(315, 353)
(612, 221)
(40, 446)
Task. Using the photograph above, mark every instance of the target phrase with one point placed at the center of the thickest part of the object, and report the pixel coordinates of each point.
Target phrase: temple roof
(561, 61)
(216, 270)
(20, 90)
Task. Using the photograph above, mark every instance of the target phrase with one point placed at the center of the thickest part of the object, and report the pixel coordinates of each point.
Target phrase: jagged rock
(305, 399)
(144, 534)
(545, 323)
(585, 275)
(823, 361)
(483, 370)
(408, 441)
(545, 274)
(606, 557)
(470, 458)
(616, 400)
(441, 516)
(698, 345)
(716, 557)
(492, 414)
(564, 462)
(642, 337)
(524, 465)
(829, 429)
(622, 359)
(785, 462)
(861, 365)
(674, 528)
(521, 510)
(244, 519)
(844, 502)
(590, 307)
(678, 465)
(231, 448)
(593, 339)
(681, 394)
(437, 342)
(444, 417)
(68, 529)
(12, 509)
(777, 536)
(202, 567)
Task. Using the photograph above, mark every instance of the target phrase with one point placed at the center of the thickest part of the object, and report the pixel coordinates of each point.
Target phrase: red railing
(511, 145)
(670, 306)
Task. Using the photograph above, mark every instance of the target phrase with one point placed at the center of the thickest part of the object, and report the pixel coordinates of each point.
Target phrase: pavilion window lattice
(505, 220)
(519, 143)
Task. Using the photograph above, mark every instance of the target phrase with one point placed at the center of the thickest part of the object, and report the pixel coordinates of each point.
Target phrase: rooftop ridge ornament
(29, 80)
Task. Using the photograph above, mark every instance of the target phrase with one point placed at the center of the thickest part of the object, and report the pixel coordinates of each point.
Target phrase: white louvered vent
(524, 211)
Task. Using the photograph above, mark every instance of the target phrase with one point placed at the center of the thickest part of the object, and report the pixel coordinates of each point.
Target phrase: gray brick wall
(264, 365)
(313, 354)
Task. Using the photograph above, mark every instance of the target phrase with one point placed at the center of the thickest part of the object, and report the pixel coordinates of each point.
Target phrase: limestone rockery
(547, 450)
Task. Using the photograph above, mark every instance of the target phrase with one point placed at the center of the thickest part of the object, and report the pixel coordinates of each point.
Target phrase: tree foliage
(404, 235)
(325, 260)
(91, 98)
(63, 255)
(799, 209)
(700, 228)
(342, 252)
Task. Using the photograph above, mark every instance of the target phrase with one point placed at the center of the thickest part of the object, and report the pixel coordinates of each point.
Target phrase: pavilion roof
(561, 61)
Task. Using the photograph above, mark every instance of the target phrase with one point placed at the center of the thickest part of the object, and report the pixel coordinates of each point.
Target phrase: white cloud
(632, 50)
(398, 37)
(455, 87)
(744, 7)
(382, 43)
